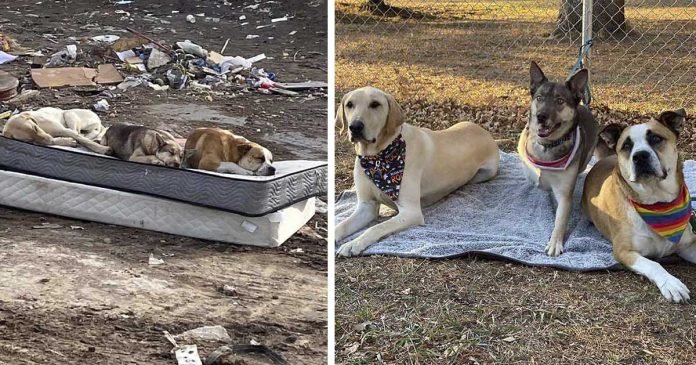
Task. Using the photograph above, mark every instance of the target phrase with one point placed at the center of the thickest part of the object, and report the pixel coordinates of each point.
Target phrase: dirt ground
(470, 64)
(87, 295)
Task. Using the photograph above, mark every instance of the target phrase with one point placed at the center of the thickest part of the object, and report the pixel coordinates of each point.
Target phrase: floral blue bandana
(386, 169)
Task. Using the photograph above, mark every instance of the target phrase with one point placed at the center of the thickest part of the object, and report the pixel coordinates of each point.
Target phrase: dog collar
(565, 138)
(386, 168)
(669, 220)
(561, 163)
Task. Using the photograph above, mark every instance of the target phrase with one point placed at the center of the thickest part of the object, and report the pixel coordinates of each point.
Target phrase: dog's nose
(271, 170)
(356, 127)
(641, 157)
(542, 118)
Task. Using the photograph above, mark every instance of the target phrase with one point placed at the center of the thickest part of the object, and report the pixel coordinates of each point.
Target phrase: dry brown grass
(469, 62)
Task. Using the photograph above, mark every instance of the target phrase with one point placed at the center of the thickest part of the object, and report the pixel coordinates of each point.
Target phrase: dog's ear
(673, 120)
(577, 83)
(395, 118)
(243, 149)
(611, 133)
(536, 77)
(340, 120)
(160, 141)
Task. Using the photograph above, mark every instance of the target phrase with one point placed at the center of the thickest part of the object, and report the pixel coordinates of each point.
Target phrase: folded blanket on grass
(506, 218)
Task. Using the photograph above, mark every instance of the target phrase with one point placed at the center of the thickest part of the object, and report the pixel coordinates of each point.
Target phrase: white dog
(53, 126)
(403, 166)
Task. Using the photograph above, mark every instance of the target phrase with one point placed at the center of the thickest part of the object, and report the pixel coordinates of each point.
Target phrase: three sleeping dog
(635, 195)
(211, 149)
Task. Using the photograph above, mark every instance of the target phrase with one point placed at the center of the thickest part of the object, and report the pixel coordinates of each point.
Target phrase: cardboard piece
(75, 76)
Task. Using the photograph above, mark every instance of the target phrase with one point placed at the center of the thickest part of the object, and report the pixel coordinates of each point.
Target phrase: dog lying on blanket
(54, 126)
(638, 200)
(215, 149)
(143, 144)
(403, 166)
(557, 143)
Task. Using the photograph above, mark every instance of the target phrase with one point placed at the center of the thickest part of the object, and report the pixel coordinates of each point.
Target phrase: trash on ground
(153, 261)
(75, 76)
(206, 333)
(254, 348)
(252, 36)
(192, 48)
(7, 44)
(23, 97)
(190, 18)
(8, 86)
(6, 58)
(109, 38)
(102, 106)
(157, 59)
(283, 19)
(62, 58)
(47, 226)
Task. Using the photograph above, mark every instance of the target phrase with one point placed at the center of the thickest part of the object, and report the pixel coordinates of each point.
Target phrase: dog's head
(646, 152)
(24, 127)
(168, 150)
(554, 104)
(370, 114)
(255, 158)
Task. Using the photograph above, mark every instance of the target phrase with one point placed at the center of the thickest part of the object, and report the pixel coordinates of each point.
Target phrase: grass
(469, 61)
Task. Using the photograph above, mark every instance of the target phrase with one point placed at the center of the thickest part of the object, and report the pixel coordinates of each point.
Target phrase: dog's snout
(271, 170)
(542, 118)
(641, 157)
(356, 127)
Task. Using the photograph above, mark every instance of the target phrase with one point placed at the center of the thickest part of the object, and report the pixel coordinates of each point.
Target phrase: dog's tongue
(545, 132)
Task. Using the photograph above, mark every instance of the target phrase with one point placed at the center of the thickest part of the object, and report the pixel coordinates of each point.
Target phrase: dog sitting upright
(403, 166)
(54, 126)
(557, 143)
(216, 149)
(638, 200)
(143, 144)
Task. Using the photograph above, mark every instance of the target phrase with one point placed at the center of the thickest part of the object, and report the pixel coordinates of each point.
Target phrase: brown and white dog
(623, 191)
(215, 149)
(413, 166)
(143, 144)
(557, 143)
(54, 126)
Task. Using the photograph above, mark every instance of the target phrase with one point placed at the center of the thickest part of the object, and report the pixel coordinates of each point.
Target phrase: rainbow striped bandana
(669, 220)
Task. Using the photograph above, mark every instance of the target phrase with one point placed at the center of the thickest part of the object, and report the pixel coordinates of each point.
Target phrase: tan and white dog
(557, 143)
(54, 126)
(216, 149)
(638, 200)
(431, 164)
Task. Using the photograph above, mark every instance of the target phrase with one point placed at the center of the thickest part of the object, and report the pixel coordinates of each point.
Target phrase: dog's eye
(560, 101)
(374, 104)
(349, 104)
(539, 98)
(654, 139)
(628, 145)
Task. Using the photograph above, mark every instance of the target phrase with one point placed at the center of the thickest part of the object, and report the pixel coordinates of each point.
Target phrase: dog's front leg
(365, 212)
(671, 288)
(63, 141)
(151, 160)
(406, 218)
(564, 199)
(232, 168)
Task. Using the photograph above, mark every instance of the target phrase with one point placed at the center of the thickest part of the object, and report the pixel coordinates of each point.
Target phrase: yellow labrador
(403, 166)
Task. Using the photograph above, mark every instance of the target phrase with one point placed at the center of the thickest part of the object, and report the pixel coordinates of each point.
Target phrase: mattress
(110, 206)
(253, 196)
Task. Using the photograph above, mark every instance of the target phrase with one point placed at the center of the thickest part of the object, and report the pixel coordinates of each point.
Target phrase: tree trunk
(608, 19)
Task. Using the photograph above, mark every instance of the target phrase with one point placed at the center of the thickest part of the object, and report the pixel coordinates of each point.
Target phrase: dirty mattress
(252, 196)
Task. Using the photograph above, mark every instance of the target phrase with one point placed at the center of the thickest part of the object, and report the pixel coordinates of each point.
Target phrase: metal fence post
(587, 32)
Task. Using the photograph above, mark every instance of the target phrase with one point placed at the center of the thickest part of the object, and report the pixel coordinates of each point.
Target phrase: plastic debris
(283, 19)
(192, 48)
(153, 261)
(177, 79)
(206, 333)
(252, 36)
(102, 106)
(109, 38)
(187, 355)
(190, 18)
(62, 58)
(157, 59)
(6, 57)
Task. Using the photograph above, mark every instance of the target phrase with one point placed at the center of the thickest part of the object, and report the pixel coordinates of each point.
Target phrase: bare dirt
(84, 293)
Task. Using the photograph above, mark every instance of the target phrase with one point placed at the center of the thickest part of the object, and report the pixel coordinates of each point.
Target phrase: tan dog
(557, 143)
(436, 164)
(53, 126)
(646, 170)
(142, 144)
(216, 149)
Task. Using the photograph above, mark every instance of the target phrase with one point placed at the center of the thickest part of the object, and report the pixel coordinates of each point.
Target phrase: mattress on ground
(294, 181)
(110, 206)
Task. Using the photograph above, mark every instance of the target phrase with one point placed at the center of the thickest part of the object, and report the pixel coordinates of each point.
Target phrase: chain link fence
(643, 57)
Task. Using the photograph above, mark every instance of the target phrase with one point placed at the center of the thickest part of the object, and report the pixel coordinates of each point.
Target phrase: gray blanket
(505, 218)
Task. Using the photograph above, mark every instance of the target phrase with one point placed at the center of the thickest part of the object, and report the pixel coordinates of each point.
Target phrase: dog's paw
(349, 249)
(554, 247)
(674, 290)
(157, 162)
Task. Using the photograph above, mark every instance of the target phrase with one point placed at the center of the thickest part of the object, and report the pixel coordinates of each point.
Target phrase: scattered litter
(75, 76)
(177, 79)
(25, 96)
(254, 342)
(252, 36)
(242, 17)
(101, 106)
(8, 86)
(62, 58)
(6, 58)
(297, 250)
(48, 226)
(283, 19)
(187, 355)
(158, 87)
(190, 18)
(157, 59)
(109, 38)
(77, 227)
(293, 32)
(252, 7)
(206, 333)
(153, 261)
(303, 85)
(228, 290)
(123, 2)
(192, 48)
(254, 348)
